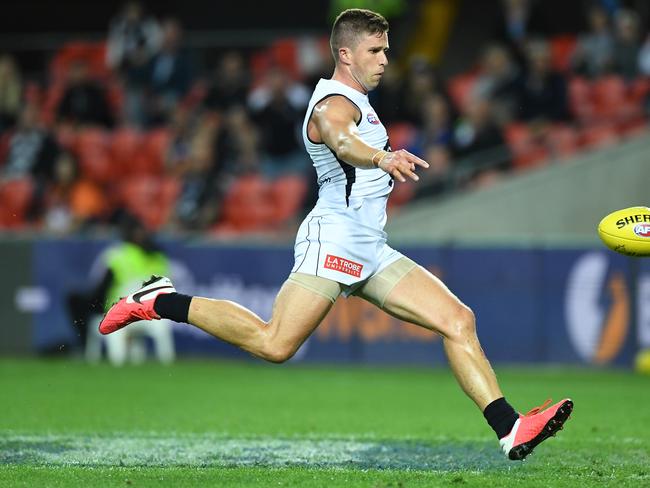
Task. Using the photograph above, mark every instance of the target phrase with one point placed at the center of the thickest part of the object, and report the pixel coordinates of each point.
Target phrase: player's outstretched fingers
(412, 158)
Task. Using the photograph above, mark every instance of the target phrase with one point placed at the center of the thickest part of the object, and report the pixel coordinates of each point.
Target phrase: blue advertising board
(571, 306)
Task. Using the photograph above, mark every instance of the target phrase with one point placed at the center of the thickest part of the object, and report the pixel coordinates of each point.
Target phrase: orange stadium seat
(610, 97)
(15, 197)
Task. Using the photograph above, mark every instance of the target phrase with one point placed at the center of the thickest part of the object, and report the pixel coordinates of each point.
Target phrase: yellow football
(627, 231)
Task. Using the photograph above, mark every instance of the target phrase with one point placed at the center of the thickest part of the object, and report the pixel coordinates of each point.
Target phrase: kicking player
(341, 248)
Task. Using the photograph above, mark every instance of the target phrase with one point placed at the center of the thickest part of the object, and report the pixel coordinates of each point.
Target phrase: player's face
(369, 59)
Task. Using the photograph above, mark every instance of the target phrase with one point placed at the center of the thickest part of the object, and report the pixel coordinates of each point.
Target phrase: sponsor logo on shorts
(372, 118)
(343, 265)
(642, 230)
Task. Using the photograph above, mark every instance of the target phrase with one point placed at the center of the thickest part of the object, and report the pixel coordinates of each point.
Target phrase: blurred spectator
(497, 82)
(437, 178)
(278, 108)
(542, 92)
(386, 97)
(478, 145)
(197, 174)
(130, 35)
(437, 125)
(626, 44)
(72, 202)
(32, 149)
(239, 143)
(229, 84)
(10, 93)
(593, 55)
(421, 81)
(170, 73)
(84, 101)
(644, 57)
(177, 158)
(516, 15)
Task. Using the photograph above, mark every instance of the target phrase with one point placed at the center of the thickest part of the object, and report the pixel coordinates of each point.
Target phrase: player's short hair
(351, 24)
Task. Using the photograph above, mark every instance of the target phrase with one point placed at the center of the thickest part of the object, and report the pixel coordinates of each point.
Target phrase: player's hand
(402, 163)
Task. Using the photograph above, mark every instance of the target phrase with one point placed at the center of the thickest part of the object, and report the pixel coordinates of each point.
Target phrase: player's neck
(344, 76)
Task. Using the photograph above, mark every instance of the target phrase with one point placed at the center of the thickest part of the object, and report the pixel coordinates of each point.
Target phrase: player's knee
(463, 323)
(279, 353)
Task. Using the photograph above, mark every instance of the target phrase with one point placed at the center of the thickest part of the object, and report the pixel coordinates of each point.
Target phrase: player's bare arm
(334, 122)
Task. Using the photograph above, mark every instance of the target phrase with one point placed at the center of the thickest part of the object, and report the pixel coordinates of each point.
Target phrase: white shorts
(344, 245)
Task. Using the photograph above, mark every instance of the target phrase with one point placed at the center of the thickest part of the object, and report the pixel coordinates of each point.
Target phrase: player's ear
(345, 54)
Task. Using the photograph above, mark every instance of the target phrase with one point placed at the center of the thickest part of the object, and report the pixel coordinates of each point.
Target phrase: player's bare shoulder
(333, 111)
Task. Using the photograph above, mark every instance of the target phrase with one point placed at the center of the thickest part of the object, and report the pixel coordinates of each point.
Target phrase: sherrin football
(627, 231)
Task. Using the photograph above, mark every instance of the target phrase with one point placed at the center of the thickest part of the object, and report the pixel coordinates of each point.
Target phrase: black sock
(501, 416)
(172, 306)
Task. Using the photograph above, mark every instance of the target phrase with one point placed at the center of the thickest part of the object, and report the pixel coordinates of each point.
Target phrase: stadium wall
(580, 305)
(559, 204)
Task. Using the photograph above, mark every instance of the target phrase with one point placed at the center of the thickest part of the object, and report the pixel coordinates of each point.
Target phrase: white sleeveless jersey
(340, 183)
(343, 238)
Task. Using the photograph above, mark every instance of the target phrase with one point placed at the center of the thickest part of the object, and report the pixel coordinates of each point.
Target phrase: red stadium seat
(599, 136)
(526, 150)
(610, 97)
(92, 149)
(564, 141)
(401, 135)
(126, 145)
(562, 48)
(248, 205)
(580, 100)
(15, 198)
(139, 193)
(287, 195)
(460, 89)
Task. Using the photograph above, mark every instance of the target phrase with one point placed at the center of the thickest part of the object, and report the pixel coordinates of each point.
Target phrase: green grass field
(65, 423)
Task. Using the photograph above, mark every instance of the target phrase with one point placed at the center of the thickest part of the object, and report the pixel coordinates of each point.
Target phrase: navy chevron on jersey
(339, 182)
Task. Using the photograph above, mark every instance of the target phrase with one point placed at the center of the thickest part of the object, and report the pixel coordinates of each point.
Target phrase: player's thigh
(423, 299)
(302, 303)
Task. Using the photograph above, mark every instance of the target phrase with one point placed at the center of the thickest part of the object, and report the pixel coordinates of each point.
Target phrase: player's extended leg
(421, 298)
(411, 293)
(297, 311)
(301, 304)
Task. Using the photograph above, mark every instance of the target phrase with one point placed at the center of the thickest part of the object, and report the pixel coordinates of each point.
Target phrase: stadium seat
(15, 198)
(287, 195)
(92, 53)
(460, 89)
(609, 96)
(580, 100)
(126, 143)
(139, 193)
(563, 141)
(562, 48)
(155, 148)
(598, 136)
(92, 149)
(247, 206)
(526, 150)
(401, 135)
(402, 193)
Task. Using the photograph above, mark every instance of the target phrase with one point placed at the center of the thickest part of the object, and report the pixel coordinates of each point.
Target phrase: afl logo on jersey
(372, 118)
